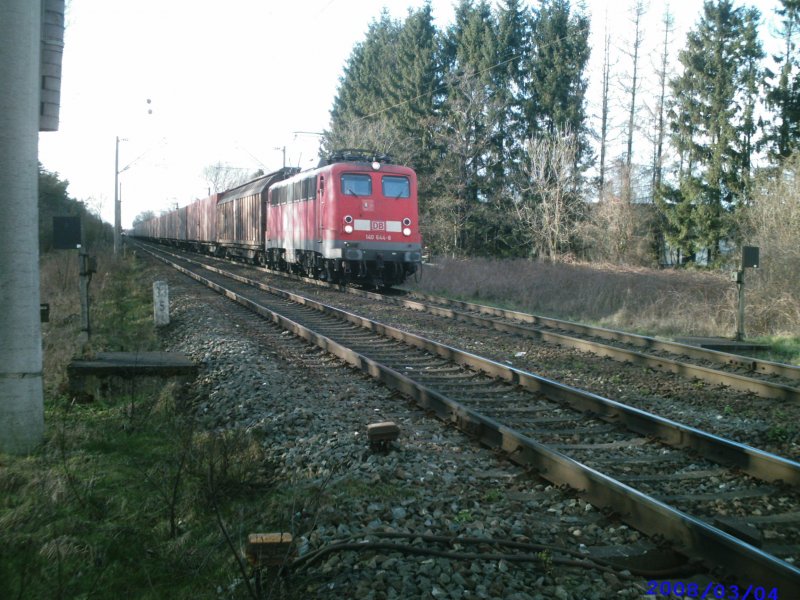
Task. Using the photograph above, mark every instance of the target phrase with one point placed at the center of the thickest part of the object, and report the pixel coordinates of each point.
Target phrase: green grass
(109, 509)
(127, 496)
(784, 349)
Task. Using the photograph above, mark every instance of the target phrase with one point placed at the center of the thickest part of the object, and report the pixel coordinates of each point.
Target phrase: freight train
(354, 217)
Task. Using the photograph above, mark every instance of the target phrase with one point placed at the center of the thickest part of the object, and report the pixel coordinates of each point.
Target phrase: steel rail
(642, 341)
(758, 463)
(743, 383)
(689, 534)
(765, 389)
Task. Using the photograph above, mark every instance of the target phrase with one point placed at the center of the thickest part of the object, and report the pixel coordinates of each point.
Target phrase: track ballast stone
(313, 414)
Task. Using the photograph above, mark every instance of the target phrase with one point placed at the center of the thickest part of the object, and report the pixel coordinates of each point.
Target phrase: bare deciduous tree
(375, 133)
(620, 230)
(221, 177)
(772, 222)
(143, 217)
(549, 206)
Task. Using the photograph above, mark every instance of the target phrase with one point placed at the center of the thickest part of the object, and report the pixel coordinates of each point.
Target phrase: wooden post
(85, 273)
(268, 549)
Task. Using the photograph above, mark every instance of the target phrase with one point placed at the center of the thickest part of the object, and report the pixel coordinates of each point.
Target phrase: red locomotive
(353, 217)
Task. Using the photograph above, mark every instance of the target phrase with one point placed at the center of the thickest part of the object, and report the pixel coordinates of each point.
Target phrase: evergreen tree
(556, 94)
(514, 44)
(414, 88)
(55, 201)
(712, 126)
(783, 96)
(362, 90)
(468, 129)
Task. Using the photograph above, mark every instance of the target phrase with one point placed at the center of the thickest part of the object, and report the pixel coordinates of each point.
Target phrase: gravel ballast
(312, 413)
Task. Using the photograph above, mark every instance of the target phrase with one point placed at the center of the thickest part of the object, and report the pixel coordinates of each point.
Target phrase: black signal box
(66, 233)
(750, 257)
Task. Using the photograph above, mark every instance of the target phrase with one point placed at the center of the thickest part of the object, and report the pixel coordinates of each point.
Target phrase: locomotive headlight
(376, 165)
(406, 231)
(407, 222)
(348, 229)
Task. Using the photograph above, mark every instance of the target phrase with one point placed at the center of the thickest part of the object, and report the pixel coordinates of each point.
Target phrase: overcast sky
(228, 82)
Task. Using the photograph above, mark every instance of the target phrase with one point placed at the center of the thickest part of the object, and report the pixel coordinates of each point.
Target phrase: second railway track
(604, 449)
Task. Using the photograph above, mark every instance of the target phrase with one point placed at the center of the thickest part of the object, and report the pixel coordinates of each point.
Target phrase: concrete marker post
(161, 303)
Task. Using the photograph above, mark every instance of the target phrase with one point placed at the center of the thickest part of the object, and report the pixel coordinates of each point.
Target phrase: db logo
(378, 226)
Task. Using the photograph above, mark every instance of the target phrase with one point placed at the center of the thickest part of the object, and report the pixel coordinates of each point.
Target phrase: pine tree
(468, 128)
(712, 126)
(556, 98)
(414, 86)
(513, 42)
(783, 96)
(361, 97)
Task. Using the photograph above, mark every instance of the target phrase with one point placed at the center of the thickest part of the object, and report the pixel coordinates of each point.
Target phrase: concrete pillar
(21, 396)
(161, 303)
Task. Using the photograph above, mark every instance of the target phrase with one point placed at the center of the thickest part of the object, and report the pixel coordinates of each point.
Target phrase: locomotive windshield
(396, 187)
(356, 185)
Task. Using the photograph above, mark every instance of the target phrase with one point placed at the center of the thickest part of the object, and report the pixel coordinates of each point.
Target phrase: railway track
(710, 497)
(763, 378)
(768, 423)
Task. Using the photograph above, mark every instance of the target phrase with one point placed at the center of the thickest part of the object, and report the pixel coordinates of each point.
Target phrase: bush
(772, 223)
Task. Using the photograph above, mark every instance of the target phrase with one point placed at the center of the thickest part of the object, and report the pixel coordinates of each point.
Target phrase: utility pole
(283, 149)
(117, 205)
(21, 75)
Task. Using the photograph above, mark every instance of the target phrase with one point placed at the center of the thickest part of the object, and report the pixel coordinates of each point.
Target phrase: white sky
(229, 82)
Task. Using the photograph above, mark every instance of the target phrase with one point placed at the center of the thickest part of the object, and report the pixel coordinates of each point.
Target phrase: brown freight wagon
(241, 217)
(201, 224)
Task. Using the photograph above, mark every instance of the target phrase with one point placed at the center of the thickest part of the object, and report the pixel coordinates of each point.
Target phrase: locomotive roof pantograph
(357, 155)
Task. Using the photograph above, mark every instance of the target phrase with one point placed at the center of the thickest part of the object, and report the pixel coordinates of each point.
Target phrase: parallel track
(567, 435)
(763, 378)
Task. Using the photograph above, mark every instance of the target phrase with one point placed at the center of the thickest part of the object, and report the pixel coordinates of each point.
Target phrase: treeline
(55, 201)
(492, 113)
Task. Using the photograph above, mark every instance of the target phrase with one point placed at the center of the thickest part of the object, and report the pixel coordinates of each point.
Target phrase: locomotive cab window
(396, 187)
(356, 185)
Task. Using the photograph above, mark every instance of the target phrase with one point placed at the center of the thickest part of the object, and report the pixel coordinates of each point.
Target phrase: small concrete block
(268, 549)
(387, 431)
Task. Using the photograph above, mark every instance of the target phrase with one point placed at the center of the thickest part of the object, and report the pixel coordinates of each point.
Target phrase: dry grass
(661, 302)
(118, 311)
(59, 288)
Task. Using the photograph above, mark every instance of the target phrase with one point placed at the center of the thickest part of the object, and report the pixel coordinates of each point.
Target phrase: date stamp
(711, 591)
